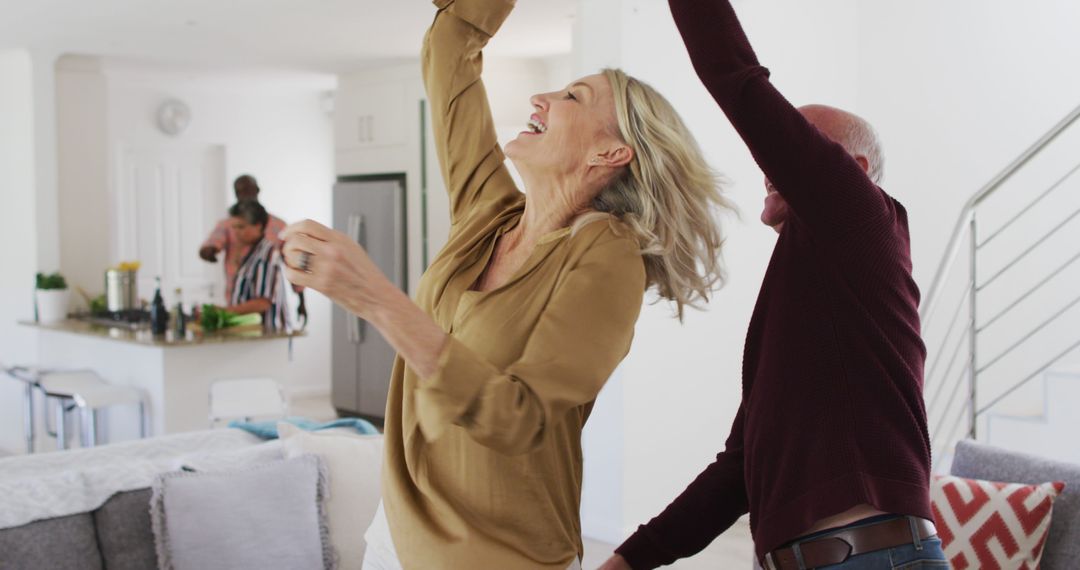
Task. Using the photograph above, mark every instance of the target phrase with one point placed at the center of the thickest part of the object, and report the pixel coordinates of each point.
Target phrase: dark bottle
(179, 320)
(159, 315)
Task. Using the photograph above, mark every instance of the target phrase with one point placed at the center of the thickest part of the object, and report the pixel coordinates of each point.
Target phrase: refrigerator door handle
(356, 232)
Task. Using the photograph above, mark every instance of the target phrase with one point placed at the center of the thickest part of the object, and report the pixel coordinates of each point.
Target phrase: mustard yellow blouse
(483, 459)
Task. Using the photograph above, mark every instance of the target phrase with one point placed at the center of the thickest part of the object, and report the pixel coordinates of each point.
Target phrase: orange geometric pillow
(989, 525)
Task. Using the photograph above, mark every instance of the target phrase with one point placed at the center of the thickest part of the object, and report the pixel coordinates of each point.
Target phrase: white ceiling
(312, 35)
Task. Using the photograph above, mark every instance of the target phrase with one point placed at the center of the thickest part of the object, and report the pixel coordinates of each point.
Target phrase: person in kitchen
(224, 239)
(258, 286)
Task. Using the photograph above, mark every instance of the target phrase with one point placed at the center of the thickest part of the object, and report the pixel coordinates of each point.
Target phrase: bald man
(829, 451)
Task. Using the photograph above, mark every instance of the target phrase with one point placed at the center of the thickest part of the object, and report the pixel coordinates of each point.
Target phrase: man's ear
(614, 157)
(863, 162)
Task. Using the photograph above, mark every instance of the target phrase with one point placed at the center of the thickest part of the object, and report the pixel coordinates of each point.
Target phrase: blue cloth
(268, 429)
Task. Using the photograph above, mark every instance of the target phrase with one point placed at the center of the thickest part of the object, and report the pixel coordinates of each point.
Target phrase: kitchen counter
(174, 374)
(143, 336)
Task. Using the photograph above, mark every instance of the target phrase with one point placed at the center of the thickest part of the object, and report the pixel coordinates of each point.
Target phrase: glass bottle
(179, 319)
(159, 315)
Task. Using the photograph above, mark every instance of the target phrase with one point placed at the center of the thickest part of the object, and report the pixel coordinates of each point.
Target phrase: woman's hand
(334, 265)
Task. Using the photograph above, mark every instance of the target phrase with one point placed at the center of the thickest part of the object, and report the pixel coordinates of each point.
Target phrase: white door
(168, 200)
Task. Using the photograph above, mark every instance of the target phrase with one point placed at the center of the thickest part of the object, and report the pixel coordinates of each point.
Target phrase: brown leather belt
(836, 547)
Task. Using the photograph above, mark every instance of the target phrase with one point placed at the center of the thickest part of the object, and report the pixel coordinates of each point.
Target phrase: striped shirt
(260, 276)
(223, 238)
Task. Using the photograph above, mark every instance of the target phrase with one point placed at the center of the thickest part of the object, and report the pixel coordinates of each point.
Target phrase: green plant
(54, 281)
(216, 318)
(98, 304)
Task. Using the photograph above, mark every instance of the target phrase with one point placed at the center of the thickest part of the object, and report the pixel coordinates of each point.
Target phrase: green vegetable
(98, 305)
(215, 318)
(54, 281)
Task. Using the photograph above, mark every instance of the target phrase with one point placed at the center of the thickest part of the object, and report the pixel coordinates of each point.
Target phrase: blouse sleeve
(471, 160)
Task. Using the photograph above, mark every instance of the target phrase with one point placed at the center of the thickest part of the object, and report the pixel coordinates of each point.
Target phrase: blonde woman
(527, 310)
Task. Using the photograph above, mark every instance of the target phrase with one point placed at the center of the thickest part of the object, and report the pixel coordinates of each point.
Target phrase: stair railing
(955, 363)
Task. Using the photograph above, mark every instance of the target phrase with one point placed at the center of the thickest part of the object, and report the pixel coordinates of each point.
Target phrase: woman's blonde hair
(669, 197)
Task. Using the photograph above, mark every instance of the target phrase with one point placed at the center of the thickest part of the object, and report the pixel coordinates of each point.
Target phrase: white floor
(316, 408)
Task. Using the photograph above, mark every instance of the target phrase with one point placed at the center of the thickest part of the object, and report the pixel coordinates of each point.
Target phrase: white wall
(272, 126)
(83, 171)
(18, 228)
(45, 152)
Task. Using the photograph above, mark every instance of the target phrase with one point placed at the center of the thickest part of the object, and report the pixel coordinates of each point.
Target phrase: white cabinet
(370, 115)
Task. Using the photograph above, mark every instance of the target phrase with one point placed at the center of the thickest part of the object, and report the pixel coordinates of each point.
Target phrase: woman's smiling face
(567, 127)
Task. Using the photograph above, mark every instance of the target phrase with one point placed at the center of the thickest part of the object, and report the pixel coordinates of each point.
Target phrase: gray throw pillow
(264, 517)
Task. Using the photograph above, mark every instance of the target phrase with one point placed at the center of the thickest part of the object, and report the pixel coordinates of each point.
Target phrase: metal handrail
(945, 391)
(1057, 358)
(963, 220)
(1029, 293)
(945, 339)
(1033, 203)
(952, 397)
(1028, 336)
(1028, 250)
(946, 375)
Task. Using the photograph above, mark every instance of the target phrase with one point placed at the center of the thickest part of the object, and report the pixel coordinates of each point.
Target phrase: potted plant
(52, 298)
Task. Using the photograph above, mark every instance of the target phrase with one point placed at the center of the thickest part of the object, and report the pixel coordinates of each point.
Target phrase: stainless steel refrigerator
(370, 210)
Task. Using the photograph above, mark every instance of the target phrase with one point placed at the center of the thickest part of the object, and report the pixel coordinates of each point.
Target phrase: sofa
(117, 534)
(975, 460)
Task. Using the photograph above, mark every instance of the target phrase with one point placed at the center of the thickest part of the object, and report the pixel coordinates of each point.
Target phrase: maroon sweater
(832, 412)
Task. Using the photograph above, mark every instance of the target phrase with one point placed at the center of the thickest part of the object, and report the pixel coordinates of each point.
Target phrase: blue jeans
(924, 553)
(906, 557)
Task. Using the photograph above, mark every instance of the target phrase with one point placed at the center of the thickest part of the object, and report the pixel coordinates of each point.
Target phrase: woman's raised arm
(465, 141)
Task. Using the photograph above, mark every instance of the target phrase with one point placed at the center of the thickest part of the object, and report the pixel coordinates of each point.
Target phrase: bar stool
(29, 376)
(85, 391)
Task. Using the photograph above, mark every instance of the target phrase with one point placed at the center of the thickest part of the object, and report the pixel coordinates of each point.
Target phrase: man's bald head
(246, 188)
(851, 132)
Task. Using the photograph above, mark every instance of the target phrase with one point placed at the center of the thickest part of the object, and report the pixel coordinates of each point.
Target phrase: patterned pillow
(989, 525)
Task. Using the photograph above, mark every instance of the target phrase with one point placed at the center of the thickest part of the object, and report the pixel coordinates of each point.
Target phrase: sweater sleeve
(823, 185)
(711, 504)
(582, 335)
(471, 160)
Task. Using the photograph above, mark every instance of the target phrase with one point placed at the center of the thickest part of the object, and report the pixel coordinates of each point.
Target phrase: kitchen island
(174, 373)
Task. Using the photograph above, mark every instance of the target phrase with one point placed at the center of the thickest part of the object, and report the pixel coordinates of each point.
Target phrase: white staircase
(1054, 432)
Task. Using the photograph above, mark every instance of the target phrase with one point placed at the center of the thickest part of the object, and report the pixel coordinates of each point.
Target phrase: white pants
(380, 553)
